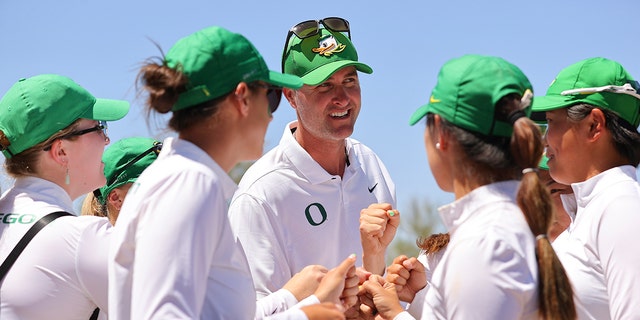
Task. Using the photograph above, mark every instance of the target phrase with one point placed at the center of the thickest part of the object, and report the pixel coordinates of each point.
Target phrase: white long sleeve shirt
(289, 212)
(489, 269)
(62, 273)
(173, 255)
(600, 249)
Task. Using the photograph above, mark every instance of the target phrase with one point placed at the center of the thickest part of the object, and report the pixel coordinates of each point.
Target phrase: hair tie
(528, 170)
(542, 236)
(515, 115)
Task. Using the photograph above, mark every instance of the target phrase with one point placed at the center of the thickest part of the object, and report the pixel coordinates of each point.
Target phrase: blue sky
(100, 45)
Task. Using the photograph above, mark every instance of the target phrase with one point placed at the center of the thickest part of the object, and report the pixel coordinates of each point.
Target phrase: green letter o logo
(322, 211)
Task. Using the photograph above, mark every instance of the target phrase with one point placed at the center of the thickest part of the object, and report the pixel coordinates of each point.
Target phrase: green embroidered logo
(309, 213)
(9, 218)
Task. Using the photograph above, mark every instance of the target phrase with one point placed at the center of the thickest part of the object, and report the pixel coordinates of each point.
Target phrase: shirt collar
(587, 190)
(456, 213)
(45, 191)
(303, 161)
(191, 151)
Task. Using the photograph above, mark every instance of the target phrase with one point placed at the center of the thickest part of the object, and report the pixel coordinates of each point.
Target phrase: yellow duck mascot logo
(328, 45)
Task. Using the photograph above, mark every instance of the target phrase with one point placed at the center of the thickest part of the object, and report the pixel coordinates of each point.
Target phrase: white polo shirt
(173, 254)
(489, 269)
(62, 272)
(289, 212)
(600, 249)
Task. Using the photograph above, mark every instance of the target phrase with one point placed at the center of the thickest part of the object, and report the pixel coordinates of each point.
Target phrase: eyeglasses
(543, 128)
(309, 28)
(157, 147)
(274, 94)
(102, 126)
(631, 89)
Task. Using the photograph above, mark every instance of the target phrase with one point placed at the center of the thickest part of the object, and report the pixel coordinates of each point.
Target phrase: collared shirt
(289, 212)
(173, 254)
(62, 273)
(599, 250)
(489, 269)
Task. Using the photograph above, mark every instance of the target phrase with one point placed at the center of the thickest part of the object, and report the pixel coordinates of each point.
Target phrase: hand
(340, 284)
(380, 296)
(305, 282)
(378, 226)
(323, 311)
(408, 275)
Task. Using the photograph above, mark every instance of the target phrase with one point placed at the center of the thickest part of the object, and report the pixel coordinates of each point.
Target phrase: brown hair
(163, 86)
(555, 295)
(433, 243)
(24, 163)
(499, 158)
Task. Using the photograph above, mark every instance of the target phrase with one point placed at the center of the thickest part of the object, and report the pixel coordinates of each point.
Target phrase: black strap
(11, 259)
(94, 315)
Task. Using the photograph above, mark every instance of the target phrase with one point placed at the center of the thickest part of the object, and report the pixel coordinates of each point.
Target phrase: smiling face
(328, 111)
(567, 150)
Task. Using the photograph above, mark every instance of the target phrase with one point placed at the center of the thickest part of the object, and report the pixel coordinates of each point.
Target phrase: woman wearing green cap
(499, 263)
(52, 134)
(173, 254)
(593, 112)
(123, 161)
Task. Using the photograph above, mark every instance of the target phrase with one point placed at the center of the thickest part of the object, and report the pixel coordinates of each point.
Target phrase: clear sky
(100, 45)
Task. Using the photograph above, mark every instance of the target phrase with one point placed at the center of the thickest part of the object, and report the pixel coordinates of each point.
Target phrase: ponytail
(555, 295)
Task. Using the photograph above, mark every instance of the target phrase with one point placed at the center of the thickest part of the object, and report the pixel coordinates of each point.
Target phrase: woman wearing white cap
(52, 135)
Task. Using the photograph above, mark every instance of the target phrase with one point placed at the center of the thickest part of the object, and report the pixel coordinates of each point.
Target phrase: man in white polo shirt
(300, 204)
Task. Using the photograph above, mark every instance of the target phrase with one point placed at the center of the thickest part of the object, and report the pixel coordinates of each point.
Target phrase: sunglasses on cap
(274, 94)
(309, 28)
(102, 126)
(632, 89)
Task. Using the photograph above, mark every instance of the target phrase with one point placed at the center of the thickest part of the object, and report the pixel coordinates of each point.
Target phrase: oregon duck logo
(328, 45)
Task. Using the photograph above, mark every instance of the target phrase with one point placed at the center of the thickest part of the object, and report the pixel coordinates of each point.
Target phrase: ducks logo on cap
(328, 45)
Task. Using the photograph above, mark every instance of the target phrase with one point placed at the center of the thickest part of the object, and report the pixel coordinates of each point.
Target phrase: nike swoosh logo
(371, 189)
(433, 100)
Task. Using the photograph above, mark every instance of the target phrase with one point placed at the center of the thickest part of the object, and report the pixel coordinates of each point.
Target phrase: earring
(438, 145)
(67, 179)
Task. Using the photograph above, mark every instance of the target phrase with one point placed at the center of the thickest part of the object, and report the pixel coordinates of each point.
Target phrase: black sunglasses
(157, 147)
(102, 126)
(274, 94)
(309, 28)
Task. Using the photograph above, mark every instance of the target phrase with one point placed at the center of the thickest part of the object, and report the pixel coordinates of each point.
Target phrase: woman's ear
(597, 124)
(115, 199)
(58, 153)
(242, 97)
(440, 135)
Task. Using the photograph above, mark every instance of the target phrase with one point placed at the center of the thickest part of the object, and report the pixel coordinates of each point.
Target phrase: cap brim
(323, 72)
(419, 114)
(284, 80)
(547, 103)
(107, 110)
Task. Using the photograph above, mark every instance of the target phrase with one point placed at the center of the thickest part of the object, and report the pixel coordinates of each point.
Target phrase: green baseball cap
(36, 108)
(596, 81)
(317, 57)
(215, 60)
(125, 160)
(468, 89)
